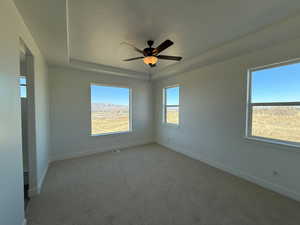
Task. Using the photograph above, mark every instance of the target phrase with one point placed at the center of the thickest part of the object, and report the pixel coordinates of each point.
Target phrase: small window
(110, 109)
(23, 87)
(171, 105)
(274, 103)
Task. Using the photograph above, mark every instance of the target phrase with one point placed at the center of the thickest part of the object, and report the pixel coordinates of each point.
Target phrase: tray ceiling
(93, 30)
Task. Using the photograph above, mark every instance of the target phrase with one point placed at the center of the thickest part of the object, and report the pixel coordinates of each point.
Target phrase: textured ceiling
(98, 27)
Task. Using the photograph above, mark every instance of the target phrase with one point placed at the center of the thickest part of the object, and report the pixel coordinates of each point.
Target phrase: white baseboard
(72, 155)
(42, 179)
(236, 172)
(37, 190)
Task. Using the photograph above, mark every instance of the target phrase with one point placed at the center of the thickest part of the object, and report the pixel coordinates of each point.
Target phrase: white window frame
(250, 105)
(130, 109)
(165, 106)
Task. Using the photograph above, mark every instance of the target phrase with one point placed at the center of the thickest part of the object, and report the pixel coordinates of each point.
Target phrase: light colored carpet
(151, 185)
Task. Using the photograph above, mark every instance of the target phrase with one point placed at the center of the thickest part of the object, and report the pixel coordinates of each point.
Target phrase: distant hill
(104, 107)
(277, 110)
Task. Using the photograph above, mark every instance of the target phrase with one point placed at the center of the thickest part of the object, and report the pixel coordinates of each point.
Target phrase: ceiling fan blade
(168, 57)
(166, 44)
(135, 48)
(131, 59)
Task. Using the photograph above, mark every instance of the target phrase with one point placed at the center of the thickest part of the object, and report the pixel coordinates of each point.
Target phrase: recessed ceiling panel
(97, 28)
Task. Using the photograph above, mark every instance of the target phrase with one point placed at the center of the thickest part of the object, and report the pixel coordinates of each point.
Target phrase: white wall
(70, 113)
(11, 168)
(42, 118)
(212, 116)
(24, 133)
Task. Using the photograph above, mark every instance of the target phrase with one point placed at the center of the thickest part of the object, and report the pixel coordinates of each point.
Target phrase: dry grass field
(173, 116)
(109, 122)
(281, 123)
(277, 122)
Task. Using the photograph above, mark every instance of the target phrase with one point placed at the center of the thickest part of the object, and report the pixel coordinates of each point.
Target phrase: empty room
(134, 112)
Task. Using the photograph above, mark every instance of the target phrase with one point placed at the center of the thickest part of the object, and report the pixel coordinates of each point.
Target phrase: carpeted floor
(151, 185)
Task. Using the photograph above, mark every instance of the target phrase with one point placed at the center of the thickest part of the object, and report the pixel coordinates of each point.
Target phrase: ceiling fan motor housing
(151, 55)
(149, 51)
(150, 43)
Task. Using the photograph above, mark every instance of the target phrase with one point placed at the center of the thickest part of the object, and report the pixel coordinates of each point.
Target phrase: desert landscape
(173, 115)
(277, 122)
(109, 118)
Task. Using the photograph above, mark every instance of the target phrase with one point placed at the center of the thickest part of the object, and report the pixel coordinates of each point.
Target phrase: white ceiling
(46, 21)
(98, 27)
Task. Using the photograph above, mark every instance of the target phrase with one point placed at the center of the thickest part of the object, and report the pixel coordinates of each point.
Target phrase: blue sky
(172, 96)
(279, 84)
(120, 96)
(113, 95)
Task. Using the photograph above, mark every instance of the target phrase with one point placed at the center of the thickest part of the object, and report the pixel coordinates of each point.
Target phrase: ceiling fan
(151, 55)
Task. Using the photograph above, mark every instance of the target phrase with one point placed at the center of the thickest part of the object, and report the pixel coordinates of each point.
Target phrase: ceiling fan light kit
(151, 55)
(150, 60)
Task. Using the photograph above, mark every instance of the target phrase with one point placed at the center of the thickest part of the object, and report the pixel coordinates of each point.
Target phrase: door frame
(29, 71)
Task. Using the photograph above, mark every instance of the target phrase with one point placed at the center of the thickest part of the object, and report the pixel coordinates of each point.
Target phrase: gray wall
(70, 113)
(212, 121)
(11, 168)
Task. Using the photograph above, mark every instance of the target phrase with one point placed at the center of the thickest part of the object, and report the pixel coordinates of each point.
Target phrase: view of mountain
(104, 107)
(109, 118)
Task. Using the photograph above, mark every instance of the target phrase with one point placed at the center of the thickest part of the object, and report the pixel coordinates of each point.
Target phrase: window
(274, 103)
(110, 109)
(171, 105)
(23, 86)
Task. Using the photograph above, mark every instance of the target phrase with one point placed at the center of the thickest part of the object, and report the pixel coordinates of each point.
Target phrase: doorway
(26, 85)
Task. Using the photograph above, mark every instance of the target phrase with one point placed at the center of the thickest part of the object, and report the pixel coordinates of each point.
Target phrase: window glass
(171, 106)
(172, 96)
(276, 122)
(173, 115)
(275, 103)
(277, 84)
(110, 109)
(23, 87)
(23, 80)
(23, 91)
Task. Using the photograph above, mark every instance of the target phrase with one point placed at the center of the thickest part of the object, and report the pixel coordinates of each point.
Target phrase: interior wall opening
(26, 86)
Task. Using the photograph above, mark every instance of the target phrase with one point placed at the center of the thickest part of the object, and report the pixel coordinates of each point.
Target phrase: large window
(274, 103)
(171, 105)
(110, 109)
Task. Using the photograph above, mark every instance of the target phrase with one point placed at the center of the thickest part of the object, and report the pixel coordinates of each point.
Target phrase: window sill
(112, 133)
(273, 141)
(171, 125)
